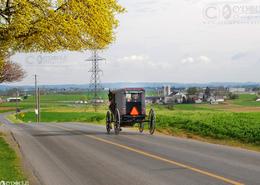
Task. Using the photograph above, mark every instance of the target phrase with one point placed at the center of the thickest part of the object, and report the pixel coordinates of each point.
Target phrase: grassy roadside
(10, 168)
(227, 142)
(12, 119)
(93, 117)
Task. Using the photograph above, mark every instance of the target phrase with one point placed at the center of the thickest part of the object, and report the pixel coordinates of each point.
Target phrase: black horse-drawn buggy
(127, 108)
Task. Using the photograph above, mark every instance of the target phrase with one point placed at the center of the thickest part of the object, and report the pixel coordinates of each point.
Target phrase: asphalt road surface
(75, 154)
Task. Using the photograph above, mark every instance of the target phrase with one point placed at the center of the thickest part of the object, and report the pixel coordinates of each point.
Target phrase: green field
(236, 119)
(53, 100)
(247, 100)
(9, 163)
(64, 117)
(244, 127)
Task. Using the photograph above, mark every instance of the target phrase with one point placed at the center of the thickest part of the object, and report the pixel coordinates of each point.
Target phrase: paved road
(75, 154)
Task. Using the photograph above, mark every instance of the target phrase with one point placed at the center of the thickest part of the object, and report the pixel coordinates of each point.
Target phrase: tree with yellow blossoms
(56, 25)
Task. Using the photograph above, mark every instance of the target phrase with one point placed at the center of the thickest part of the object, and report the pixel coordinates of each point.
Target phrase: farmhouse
(153, 99)
(14, 99)
(175, 97)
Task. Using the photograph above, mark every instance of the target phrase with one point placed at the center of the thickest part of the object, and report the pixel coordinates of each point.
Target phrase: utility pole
(38, 104)
(95, 81)
(16, 103)
(36, 100)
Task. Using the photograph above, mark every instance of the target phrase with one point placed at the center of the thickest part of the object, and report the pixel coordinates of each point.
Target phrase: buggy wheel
(117, 122)
(141, 127)
(108, 122)
(152, 120)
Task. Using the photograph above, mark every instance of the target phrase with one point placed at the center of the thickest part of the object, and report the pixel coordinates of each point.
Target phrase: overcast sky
(166, 40)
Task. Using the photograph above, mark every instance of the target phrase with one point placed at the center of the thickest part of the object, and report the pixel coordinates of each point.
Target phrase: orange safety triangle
(134, 112)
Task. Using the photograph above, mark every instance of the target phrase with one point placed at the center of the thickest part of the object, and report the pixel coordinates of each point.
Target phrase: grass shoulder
(10, 164)
(226, 142)
(12, 118)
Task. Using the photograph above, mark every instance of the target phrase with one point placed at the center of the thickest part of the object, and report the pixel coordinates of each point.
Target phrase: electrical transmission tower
(95, 80)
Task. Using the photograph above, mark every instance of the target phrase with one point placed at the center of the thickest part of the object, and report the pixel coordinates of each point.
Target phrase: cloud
(238, 56)
(198, 60)
(134, 58)
(203, 59)
(142, 61)
(150, 6)
(188, 60)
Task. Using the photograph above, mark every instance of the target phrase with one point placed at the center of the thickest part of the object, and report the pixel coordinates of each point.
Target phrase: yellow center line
(159, 158)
